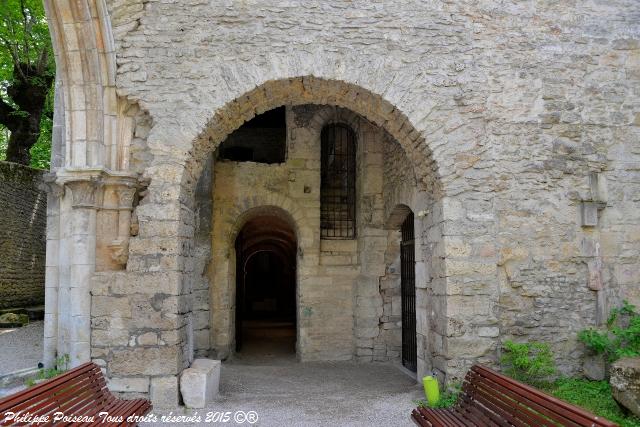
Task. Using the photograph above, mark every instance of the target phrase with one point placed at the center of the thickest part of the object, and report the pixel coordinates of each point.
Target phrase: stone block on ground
(625, 383)
(164, 392)
(595, 367)
(199, 384)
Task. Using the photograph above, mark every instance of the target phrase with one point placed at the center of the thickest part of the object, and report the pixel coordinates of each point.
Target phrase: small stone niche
(262, 139)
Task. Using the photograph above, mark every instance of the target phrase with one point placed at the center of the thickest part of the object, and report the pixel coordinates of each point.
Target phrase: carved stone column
(54, 195)
(78, 264)
(89, 221)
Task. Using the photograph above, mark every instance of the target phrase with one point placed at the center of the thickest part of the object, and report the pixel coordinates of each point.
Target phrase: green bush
(594, 396)
(62, 365)
(621, 338)
(530, 362)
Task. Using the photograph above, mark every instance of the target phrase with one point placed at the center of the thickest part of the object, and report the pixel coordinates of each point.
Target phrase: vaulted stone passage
(266, 252)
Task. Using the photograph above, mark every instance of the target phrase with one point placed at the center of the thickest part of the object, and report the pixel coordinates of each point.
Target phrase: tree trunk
(29, 92)
(20, 142)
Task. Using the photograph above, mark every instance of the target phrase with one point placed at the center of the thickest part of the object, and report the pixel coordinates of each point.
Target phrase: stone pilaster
(76, 200)
(54, 195)
(83, 192)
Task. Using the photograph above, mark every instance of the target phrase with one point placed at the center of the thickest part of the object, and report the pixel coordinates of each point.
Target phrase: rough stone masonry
(509, 129)
(22, 236)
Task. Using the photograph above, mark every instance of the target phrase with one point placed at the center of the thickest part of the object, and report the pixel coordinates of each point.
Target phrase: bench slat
(463, 416)
(554, 408)
(81, 391)
(493, 404)
(15, 399)
(437, 417)
(84, 387)
(521, 407)
(126, 408)
(477, 411)
(489, 398)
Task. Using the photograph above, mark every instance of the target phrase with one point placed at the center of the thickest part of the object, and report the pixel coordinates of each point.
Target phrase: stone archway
(179, 179)
(483, 148)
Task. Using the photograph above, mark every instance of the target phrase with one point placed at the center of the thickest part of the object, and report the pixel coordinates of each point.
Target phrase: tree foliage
(27, 72)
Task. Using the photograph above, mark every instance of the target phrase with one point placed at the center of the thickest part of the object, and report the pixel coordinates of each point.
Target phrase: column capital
(85, 194)
(87, 186)
(50, 186)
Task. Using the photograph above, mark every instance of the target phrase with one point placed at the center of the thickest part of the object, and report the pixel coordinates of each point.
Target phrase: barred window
(338, 185)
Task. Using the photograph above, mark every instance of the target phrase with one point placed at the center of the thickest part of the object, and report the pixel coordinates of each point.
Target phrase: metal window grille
(408, 295)
(338, 185)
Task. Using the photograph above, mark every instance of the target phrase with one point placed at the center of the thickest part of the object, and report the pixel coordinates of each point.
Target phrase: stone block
(146, 361)
(122, 385)
(164, 392)
(625, 383)
(594, 368)
(148, 338)
(488, 331)
(199, 384)
(110, 306)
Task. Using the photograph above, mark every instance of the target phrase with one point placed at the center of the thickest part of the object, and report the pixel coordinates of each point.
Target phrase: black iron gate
(407, 274)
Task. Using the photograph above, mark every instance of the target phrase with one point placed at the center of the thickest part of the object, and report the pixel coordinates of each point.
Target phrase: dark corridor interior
(266, 288)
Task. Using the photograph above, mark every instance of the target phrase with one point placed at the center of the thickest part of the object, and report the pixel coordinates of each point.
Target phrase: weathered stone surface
(199, 384)
(163, 360)
(193, 386)
(625, 383)
(23, 207)
(164, 392)
(595, 367)
(137, 385)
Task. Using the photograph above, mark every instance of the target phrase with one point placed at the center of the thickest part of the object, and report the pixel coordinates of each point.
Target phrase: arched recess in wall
(314, 90)
(225, 262)
(352, 102)
(266, 259)
(397, 217)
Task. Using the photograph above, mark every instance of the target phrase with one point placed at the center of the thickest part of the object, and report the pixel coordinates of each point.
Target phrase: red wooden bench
(492, 399)
(80, 393)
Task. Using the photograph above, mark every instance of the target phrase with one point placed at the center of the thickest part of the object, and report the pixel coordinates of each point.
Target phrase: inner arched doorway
(266, 248)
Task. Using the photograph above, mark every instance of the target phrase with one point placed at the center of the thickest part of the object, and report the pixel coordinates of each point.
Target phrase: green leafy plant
(620, 338)
(594, 396)
(447, 398)
(62, 365)
(530, 362)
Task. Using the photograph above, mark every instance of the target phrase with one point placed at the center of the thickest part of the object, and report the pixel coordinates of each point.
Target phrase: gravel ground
(282, 392)
(21, 348)
(312, 394)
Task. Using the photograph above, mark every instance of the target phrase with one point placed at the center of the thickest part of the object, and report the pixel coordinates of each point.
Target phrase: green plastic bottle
(431, 389)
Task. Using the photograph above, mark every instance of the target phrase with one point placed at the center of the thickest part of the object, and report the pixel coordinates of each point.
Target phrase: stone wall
(505, 113)
(518, 106)
(22, 236)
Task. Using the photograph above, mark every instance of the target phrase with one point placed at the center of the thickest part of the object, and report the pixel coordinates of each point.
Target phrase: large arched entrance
(266, 287)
